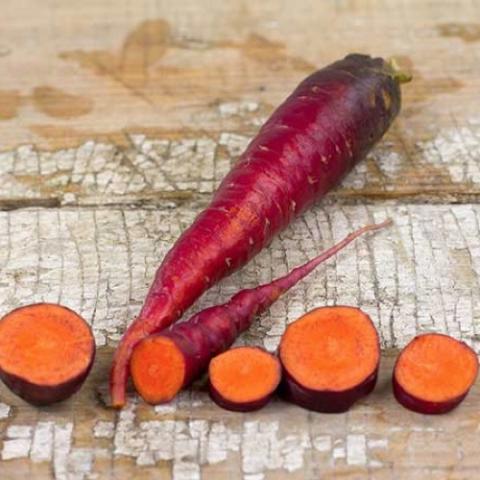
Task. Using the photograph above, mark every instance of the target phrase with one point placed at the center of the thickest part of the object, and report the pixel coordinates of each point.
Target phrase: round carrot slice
(46, 352)
(434, 373)
(244, 378)
(330, 358)
(158, 368)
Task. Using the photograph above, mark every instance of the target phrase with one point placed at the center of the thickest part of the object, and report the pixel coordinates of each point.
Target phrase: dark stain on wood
(145, 46)
(468, 32)
(141, 49)
(269, 53)
(59, 104)
(10, 101)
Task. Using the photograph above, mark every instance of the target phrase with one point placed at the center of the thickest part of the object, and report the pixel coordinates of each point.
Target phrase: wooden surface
(117, 120)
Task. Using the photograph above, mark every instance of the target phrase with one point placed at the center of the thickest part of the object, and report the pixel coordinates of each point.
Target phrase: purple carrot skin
(163, 364)
(310, 142)
(325, 401)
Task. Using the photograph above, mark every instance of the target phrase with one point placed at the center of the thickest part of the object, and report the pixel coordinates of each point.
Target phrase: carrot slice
(330, 358)
(434, 373)
(244, 378)
(158, 369)
(46, 352)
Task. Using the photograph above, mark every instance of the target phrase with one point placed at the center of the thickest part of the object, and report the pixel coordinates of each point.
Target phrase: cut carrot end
(158, 369)
(331, 348)
(243, 378)
(434, 373)
(46, 351)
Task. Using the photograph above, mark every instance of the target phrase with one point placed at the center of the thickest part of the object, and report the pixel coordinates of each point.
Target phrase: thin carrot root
(434, 373)
(163, 364)
(243, 379)
(330, 359)
(46, 352)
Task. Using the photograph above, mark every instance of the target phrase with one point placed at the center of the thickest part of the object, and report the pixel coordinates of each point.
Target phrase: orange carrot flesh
(243, 378)
(164, 375)
(44, 346)
(436, 368)
(331, 348)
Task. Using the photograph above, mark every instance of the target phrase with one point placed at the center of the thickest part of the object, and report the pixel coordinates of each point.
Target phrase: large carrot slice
(243, 379)
(330, 358)
(329, 123)
(46, 352)
(434, 373)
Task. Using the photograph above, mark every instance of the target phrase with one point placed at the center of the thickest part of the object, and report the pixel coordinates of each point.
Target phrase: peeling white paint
(458, 150)
(228, 109)
(377, 443)
(356, 450)
(104, 429)
(42, 446)
(62, 442)
(191, 444)
(19, 431)
(16, 448)
(4, 410)
(322, 443)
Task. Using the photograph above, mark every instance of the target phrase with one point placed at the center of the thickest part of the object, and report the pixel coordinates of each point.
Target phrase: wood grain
(118, 119)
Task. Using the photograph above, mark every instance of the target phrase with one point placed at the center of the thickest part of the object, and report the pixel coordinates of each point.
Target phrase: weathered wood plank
(192, 95)
(193, 438)
(163, 170)
(424, 273)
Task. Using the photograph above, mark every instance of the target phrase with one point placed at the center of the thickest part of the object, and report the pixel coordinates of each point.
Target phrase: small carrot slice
(330, 358)
(46, 352)
(434, 373)
(244, 378)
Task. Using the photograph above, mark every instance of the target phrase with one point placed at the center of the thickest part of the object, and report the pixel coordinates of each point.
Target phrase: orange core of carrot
(436, 368)
(158, 369)
(331, 348)
(45, 344)
(244, 374)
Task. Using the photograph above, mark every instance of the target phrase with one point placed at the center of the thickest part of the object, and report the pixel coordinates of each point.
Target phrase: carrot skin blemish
(46, 352)
(330, 359)
(243, 379)
(309, 143)
(162, 364)
(434, 373)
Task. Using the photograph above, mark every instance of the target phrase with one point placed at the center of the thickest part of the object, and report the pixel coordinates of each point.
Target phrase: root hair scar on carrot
(434, 373)
(46, 352)
(162, 364)
(243, 379)
(330, 359)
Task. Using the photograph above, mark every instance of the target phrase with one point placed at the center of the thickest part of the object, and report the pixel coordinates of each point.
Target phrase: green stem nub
(399, 75)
